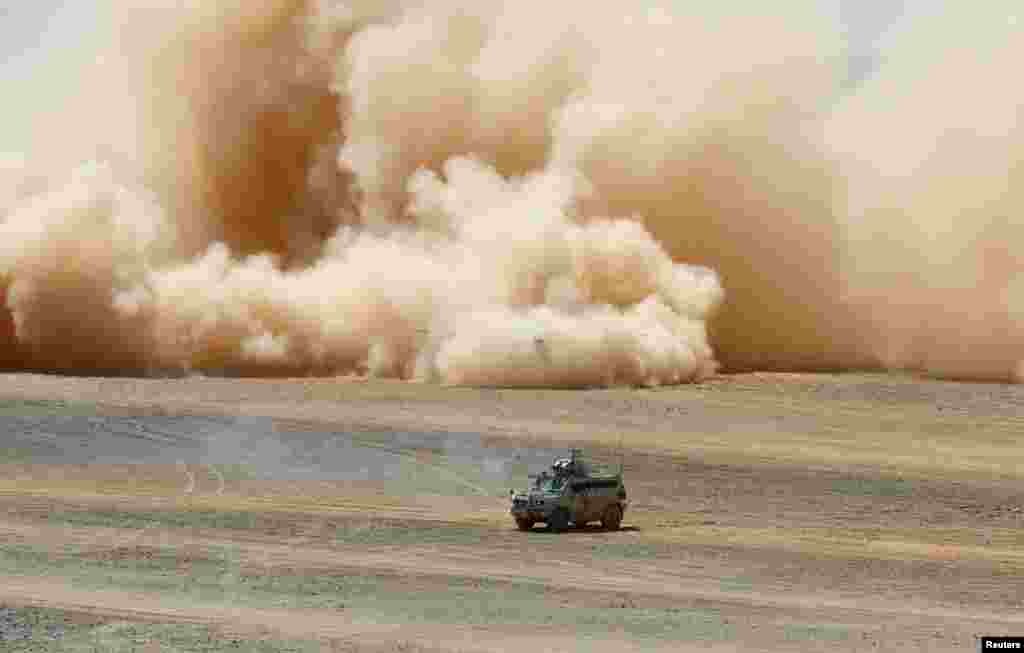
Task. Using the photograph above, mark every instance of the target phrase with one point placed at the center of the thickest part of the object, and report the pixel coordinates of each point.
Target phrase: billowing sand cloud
(493, 192)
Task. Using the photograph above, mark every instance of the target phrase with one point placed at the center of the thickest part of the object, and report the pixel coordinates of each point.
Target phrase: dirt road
(768, 512)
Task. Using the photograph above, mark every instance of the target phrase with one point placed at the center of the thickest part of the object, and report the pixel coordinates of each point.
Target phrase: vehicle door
(599, 499)
(580, 500)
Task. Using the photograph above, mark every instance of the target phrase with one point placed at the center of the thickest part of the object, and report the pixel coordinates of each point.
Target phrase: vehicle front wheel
(612, 518)
(559, 520)
(524, 524)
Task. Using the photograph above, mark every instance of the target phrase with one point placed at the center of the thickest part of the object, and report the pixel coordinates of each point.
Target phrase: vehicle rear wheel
(612, 518)
(559, 520)
(524, 524)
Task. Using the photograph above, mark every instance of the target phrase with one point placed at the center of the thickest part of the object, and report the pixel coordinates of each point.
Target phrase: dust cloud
(505, 193)
(933, 147)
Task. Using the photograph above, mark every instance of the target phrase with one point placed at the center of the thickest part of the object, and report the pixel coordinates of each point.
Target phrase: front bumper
(533, 516)
(530, 510)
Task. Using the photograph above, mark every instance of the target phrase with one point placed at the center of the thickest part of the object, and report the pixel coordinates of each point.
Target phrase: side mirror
(511, 493)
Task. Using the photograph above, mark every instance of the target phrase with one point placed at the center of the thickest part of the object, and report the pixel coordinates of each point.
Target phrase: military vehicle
(571, 493)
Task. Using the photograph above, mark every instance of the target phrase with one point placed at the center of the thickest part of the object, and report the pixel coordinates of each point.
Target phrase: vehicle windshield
(550, 484)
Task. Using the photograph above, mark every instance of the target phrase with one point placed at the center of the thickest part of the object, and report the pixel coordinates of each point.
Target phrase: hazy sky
(40, 40)
(33, 32)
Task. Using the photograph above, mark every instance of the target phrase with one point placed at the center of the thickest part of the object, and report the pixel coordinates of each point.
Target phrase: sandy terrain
(768, 512)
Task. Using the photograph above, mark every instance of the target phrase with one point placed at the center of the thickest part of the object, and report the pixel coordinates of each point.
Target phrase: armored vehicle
(570, 493)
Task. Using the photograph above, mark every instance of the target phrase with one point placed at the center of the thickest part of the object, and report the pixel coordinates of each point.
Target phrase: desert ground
(769, 512)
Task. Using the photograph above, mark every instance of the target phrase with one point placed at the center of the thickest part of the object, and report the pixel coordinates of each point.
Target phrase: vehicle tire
(524, 524)
(612, 518)
(558, 522)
